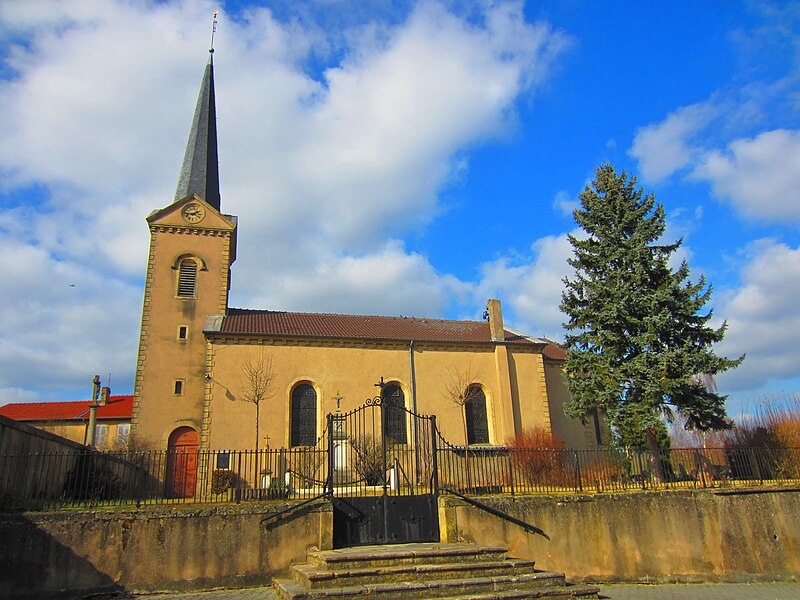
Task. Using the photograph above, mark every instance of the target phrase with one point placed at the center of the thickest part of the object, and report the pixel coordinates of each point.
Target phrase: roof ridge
(115, 398)
(324, 314)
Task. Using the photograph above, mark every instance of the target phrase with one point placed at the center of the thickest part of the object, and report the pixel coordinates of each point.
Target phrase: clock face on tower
(193, 213)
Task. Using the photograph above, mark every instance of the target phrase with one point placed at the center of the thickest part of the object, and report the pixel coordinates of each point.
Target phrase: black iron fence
(89, 478)
(493, 470)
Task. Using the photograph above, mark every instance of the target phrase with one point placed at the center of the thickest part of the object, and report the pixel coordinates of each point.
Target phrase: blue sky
(392, 158)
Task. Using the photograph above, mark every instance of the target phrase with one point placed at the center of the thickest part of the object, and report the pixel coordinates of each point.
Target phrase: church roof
(118, 407)
(279, 323)
(553, 350)
(200, 171)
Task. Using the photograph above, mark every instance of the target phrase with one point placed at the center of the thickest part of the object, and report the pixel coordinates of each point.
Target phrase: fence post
(699, 466)
(641, 468)
(435, 458)
(329, 483)
(578, 470)
(759, 456)
(510, 471)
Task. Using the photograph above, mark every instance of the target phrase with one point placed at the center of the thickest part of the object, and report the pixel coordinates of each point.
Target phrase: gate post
(434, 461)
(329, 483)
(383, 437)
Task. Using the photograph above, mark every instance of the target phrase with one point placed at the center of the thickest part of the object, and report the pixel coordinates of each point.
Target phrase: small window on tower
(183, 333)
(178, 387)
(187, 278)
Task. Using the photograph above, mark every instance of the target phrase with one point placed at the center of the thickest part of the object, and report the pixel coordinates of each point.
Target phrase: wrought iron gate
(382, 474)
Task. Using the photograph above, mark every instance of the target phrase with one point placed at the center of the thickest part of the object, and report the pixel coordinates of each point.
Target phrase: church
(209, 376)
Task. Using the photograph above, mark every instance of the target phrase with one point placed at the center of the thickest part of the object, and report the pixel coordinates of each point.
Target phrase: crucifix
(338, 397)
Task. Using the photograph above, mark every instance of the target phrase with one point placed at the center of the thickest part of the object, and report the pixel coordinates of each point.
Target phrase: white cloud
(664, 148)
(530, 287)
(61, 324)
(326, 170)
(389, 281)
(760, 176)
(763, 317)
(566, 204)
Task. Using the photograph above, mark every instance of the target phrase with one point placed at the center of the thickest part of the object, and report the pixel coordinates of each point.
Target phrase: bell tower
(192, 247)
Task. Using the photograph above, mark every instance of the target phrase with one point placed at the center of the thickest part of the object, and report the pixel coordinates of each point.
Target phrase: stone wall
(667, 536)
(156, 548)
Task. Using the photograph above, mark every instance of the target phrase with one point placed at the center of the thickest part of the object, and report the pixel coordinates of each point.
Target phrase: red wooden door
(182, 462)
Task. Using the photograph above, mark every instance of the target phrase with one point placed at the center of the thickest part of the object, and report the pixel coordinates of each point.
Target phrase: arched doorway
(182, 462)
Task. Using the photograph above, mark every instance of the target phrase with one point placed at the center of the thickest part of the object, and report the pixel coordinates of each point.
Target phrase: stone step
(531, 585)
(404, 554)
(567, 592)
(313, 576)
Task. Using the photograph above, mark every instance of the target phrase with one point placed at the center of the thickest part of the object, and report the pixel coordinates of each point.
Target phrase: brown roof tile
(553, 350)
(279, 323)
(118, 407)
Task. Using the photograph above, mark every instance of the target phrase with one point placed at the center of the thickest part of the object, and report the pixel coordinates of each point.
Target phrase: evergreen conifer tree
(637, 336)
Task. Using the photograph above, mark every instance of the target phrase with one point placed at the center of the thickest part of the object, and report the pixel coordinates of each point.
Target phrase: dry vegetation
(775, 425)
(533, 457)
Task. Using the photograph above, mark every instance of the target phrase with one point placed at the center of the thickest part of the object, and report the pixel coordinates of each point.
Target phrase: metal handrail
(497, 513)
(327, 495)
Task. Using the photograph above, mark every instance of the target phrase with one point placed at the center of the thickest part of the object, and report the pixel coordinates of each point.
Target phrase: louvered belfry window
(477, 422)
(187, 278)
(304, 415)
(394, 414)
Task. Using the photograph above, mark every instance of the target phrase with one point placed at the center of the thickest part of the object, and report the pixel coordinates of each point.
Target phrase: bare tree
(461, 388)
(259, 379)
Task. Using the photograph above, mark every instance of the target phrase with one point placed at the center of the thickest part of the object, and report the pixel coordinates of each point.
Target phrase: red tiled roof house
(71, 419)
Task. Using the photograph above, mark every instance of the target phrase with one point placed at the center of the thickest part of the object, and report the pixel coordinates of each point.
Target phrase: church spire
(200, 171)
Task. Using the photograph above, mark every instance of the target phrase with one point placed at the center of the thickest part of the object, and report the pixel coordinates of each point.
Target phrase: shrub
(221, 480)
(91, 480)
(305, 463)
(368, 459)
(537, 456)
(774, 433)
(277, 489)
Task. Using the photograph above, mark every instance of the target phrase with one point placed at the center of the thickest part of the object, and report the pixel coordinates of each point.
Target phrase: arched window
(187, 278)
(477, 422)
(304, 415)
(394, 413)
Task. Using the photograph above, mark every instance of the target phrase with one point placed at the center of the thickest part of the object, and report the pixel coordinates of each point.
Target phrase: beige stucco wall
(570, 431)
(77, 431)
(665, 536)
(167, 548)
(351, 368)
(163, 358)
(660, 536)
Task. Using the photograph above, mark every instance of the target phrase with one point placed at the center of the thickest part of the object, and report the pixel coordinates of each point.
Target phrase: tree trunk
(655, 456)
(466, 448)
(258, 454)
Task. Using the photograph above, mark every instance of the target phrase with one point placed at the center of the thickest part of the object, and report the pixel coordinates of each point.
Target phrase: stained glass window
(477, 422)
(304, 415)
(394, 413)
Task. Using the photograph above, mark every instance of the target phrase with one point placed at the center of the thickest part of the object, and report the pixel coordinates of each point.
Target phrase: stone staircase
(455, 571)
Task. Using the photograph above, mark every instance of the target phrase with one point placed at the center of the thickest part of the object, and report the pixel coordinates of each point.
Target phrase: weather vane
(213, 29)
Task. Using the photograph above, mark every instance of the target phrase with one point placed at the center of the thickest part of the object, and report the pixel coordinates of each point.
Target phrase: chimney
(495, 320)
(104, 394)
